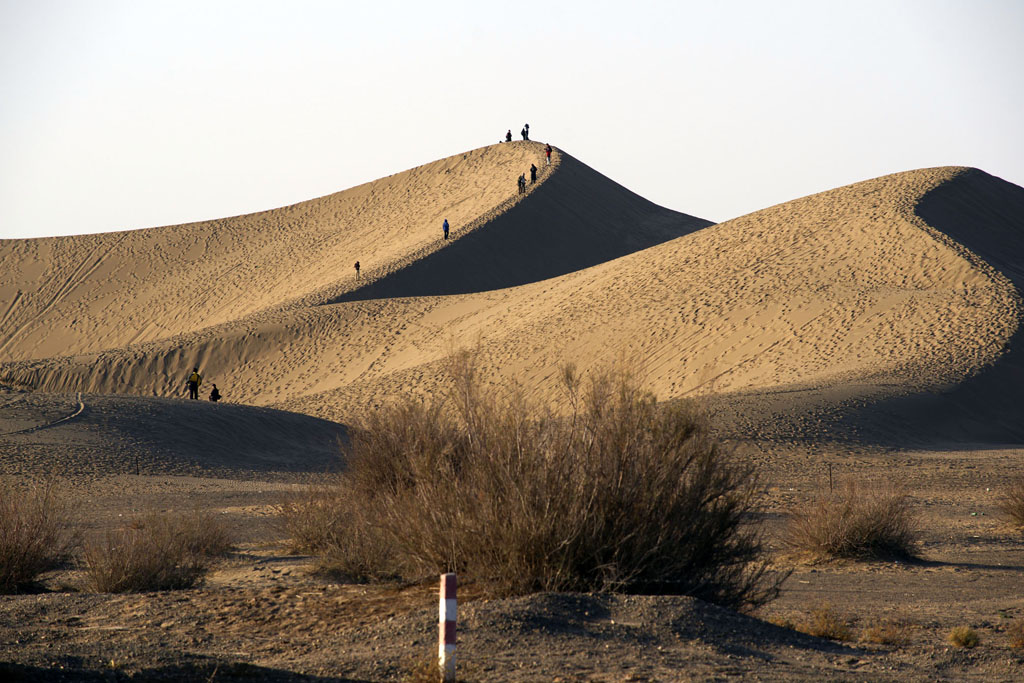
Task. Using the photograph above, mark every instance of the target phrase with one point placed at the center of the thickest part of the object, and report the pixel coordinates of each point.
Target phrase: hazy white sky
(132, 114)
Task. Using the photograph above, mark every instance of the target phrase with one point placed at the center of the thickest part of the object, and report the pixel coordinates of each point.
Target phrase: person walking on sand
(193, 381)
(508, 135)
(357, 275)
(533, 174)
(445, 228)
(214, 395)
(547, 153)
(522, 183)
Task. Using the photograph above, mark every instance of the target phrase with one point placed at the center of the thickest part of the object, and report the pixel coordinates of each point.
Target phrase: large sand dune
(88, 293)
(902, 286)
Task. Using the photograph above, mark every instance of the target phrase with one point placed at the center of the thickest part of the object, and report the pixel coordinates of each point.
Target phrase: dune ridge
(87, 293)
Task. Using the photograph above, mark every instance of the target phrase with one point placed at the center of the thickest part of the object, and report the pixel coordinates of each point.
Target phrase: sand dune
(74, 435)
(88, 293)
(896, 286)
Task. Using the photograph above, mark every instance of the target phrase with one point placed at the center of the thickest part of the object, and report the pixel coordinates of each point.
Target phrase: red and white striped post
(446, 631)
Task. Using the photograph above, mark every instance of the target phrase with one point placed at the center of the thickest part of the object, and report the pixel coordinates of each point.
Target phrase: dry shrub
(1011, 505)
(1016, 633)
(35, 533)
(155, 552)
(889, 631)
(623, 494)
(322, 520)
(964, 636)
(856, 521)
(824, 622)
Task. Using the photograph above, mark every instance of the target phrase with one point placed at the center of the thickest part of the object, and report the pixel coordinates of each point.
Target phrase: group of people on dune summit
(194, 381)
(525, 132)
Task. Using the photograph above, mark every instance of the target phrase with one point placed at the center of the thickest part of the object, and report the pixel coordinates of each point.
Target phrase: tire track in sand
(54, 423)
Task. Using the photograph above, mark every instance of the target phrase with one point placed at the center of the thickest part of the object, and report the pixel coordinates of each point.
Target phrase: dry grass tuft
(35, 534)
(1016, 633)
(889, 631)
(1011, 505)
(155, 552)
(964, 636)
(824, 622)
(623, 494)
(855, 522)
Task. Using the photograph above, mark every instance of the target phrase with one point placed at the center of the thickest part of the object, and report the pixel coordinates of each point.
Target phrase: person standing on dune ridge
(547, 153)
(193, 382)
(445, 228)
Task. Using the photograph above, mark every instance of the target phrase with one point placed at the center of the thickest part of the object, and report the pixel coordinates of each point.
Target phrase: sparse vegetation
(35, 534)
(1011, 505)
(621, 494)
(155, 552)
(964, 636)
(888, 631)
(824, 622)
(855, 521)
(1016, 633)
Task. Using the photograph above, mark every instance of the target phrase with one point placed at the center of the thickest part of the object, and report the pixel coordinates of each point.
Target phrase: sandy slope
(89, 293)
(847, 291)
(74, 435)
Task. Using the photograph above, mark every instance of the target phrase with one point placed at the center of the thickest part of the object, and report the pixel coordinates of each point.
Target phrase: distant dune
(901, 289)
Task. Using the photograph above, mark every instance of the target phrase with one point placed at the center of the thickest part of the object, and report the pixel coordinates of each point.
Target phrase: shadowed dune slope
(851, 296)
(986, 215)
(88, 293)
(576, 219)
(102, 435)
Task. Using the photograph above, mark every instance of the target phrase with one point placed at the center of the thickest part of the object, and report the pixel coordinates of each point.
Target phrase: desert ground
(867, 333)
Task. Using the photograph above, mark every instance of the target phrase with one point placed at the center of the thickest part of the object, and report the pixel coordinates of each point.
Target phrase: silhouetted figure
(522, 183)
(525, 132)
(547, 154)
(357, 275)
(193, 382)
(533, 174)
(508, 135)
(214, 395)
(445, 228)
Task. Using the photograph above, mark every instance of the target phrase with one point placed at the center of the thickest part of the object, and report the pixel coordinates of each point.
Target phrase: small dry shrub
(857, 522)
(824, 622)
(888, 631)
(964, 636)
(155, 552)
(35, 533)
(1016, 633)
(323, 521)
(622, 494)
(1011, 505)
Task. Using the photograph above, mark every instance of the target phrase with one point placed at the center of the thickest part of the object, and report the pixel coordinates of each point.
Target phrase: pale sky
(133, 114)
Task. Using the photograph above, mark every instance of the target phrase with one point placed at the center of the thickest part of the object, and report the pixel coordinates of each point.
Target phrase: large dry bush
(622, 494)
(35, 533)
(855, 521)
(1011, 504)
(155, 552)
